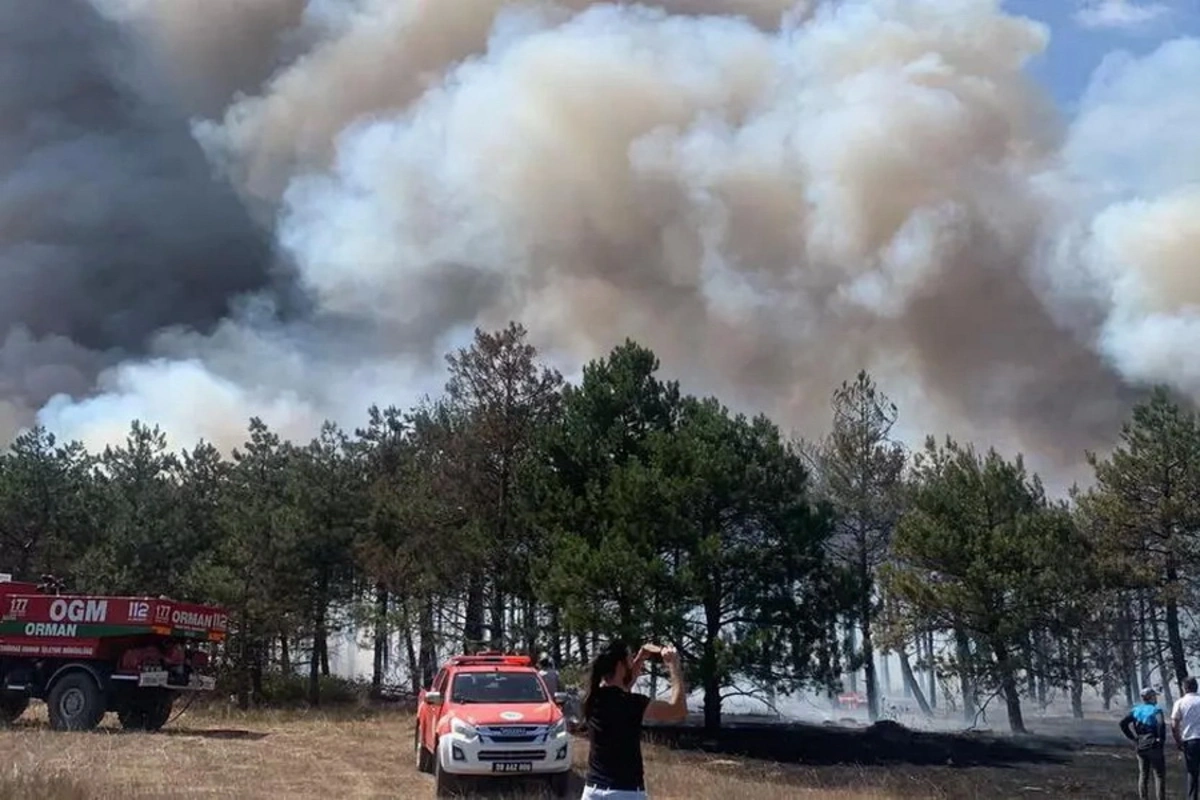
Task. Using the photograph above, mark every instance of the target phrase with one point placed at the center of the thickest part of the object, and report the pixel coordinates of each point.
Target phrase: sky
(1083, 32)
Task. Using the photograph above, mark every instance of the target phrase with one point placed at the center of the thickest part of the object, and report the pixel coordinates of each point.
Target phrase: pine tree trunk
(256, 671)
(379, 660)
(1075, 656)
(285, 655)
(314, 674)
(1128, 654)
(497, 637)
(1031, 670)
(851, 645)
(556, 641)
(708, 665)
(410, 650)
(530, 627)
(429, 656)
(473, 625)
(1009, 686)
(1146, 658)
(318, 658)
(1174, 639)
(910, 681)
(963, 647)
(932, 670)
(866, 615)
(1158, 656)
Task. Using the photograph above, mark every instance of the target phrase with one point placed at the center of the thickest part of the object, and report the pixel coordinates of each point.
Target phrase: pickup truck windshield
(497, 687)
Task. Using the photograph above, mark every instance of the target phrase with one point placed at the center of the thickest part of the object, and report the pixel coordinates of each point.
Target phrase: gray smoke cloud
(770, 194)
(111, 226)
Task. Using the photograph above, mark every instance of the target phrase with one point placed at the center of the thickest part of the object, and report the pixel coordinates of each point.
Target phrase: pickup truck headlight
(558, 729)
(463, 728)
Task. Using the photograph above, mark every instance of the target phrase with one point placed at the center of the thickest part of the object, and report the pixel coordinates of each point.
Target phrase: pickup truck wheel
(443, 781)
(75, 703)
(149, 710)
(424, 759)
(12, 706)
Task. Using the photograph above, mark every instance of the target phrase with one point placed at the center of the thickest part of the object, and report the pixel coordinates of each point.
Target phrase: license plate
(513, 766)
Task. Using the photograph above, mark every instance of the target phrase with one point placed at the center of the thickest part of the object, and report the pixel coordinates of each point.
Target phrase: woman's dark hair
(603, 666)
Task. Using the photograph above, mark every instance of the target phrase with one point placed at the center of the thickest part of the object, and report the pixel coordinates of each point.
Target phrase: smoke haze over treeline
(291, 208)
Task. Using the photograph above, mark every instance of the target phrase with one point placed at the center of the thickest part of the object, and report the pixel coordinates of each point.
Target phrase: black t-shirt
(615, 726)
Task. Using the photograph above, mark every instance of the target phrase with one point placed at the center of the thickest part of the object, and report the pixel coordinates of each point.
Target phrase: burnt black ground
(913, 764)
(880, 744)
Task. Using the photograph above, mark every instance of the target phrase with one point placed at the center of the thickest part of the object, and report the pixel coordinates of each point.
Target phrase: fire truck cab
(490, 715)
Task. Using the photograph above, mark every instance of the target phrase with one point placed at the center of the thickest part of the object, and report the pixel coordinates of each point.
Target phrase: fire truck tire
(12, 707)
(75, 703)
(424, 757)
(148, 711)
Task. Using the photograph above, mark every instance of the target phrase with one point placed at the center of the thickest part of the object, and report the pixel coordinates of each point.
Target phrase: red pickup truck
(491, 715)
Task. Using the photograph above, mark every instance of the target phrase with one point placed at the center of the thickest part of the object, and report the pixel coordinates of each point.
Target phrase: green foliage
(591, 493)
(1144, 511)
(981, 550)
(747, 548)
(280, 690)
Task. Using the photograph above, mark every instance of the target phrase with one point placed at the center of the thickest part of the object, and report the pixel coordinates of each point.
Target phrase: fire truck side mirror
(433, 698)
(560, 698)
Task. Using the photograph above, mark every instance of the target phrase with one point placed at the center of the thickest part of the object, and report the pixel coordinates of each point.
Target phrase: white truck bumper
(158, 678)
(459, 755)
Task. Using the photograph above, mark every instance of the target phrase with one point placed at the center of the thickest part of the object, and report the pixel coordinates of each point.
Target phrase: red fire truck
(86, 655)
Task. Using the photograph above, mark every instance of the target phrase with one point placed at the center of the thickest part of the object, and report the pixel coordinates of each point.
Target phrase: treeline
(518, 511)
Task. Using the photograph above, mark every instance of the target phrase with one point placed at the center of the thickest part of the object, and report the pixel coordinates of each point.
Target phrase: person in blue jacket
(1146, 726)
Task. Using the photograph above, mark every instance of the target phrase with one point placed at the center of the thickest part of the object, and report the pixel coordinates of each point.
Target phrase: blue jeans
(592, 793)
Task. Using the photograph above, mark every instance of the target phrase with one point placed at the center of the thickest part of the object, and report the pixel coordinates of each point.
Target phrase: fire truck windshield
(497, 687)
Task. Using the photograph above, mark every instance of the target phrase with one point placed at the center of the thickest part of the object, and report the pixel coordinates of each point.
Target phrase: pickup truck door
(427, 715)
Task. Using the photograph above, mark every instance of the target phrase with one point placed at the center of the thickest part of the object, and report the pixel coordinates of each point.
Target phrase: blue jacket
(1145, 725)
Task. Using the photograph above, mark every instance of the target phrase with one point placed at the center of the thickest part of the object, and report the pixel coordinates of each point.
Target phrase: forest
(522, 512)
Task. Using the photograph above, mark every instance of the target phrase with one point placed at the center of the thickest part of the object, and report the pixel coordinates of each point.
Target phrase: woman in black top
(613, 716)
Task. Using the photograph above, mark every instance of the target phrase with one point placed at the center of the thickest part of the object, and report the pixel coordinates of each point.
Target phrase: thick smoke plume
(111, 226)
(770, 194)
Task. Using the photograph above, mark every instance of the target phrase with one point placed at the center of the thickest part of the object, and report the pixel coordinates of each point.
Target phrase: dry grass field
(226, 754)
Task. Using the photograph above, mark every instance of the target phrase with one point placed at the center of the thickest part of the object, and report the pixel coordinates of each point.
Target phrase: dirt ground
(226, 754)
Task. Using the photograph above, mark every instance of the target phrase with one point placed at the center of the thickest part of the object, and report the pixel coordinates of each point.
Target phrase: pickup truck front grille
(513, 734)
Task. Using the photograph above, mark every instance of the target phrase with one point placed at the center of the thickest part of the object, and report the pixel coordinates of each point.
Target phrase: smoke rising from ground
(770, 194)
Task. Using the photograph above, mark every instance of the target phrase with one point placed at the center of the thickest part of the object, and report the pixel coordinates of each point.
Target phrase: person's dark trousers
(1154, 762)
(1191, 756)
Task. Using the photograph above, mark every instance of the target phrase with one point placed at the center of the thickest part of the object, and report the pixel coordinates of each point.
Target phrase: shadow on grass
(882, 743)
(233, 734)
(514, 788)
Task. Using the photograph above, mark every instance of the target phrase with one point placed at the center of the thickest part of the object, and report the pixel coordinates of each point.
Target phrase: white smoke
(771, 195)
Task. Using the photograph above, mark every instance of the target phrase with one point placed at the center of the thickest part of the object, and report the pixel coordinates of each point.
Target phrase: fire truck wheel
(149, 710)
(12, 707)
(75, 703)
